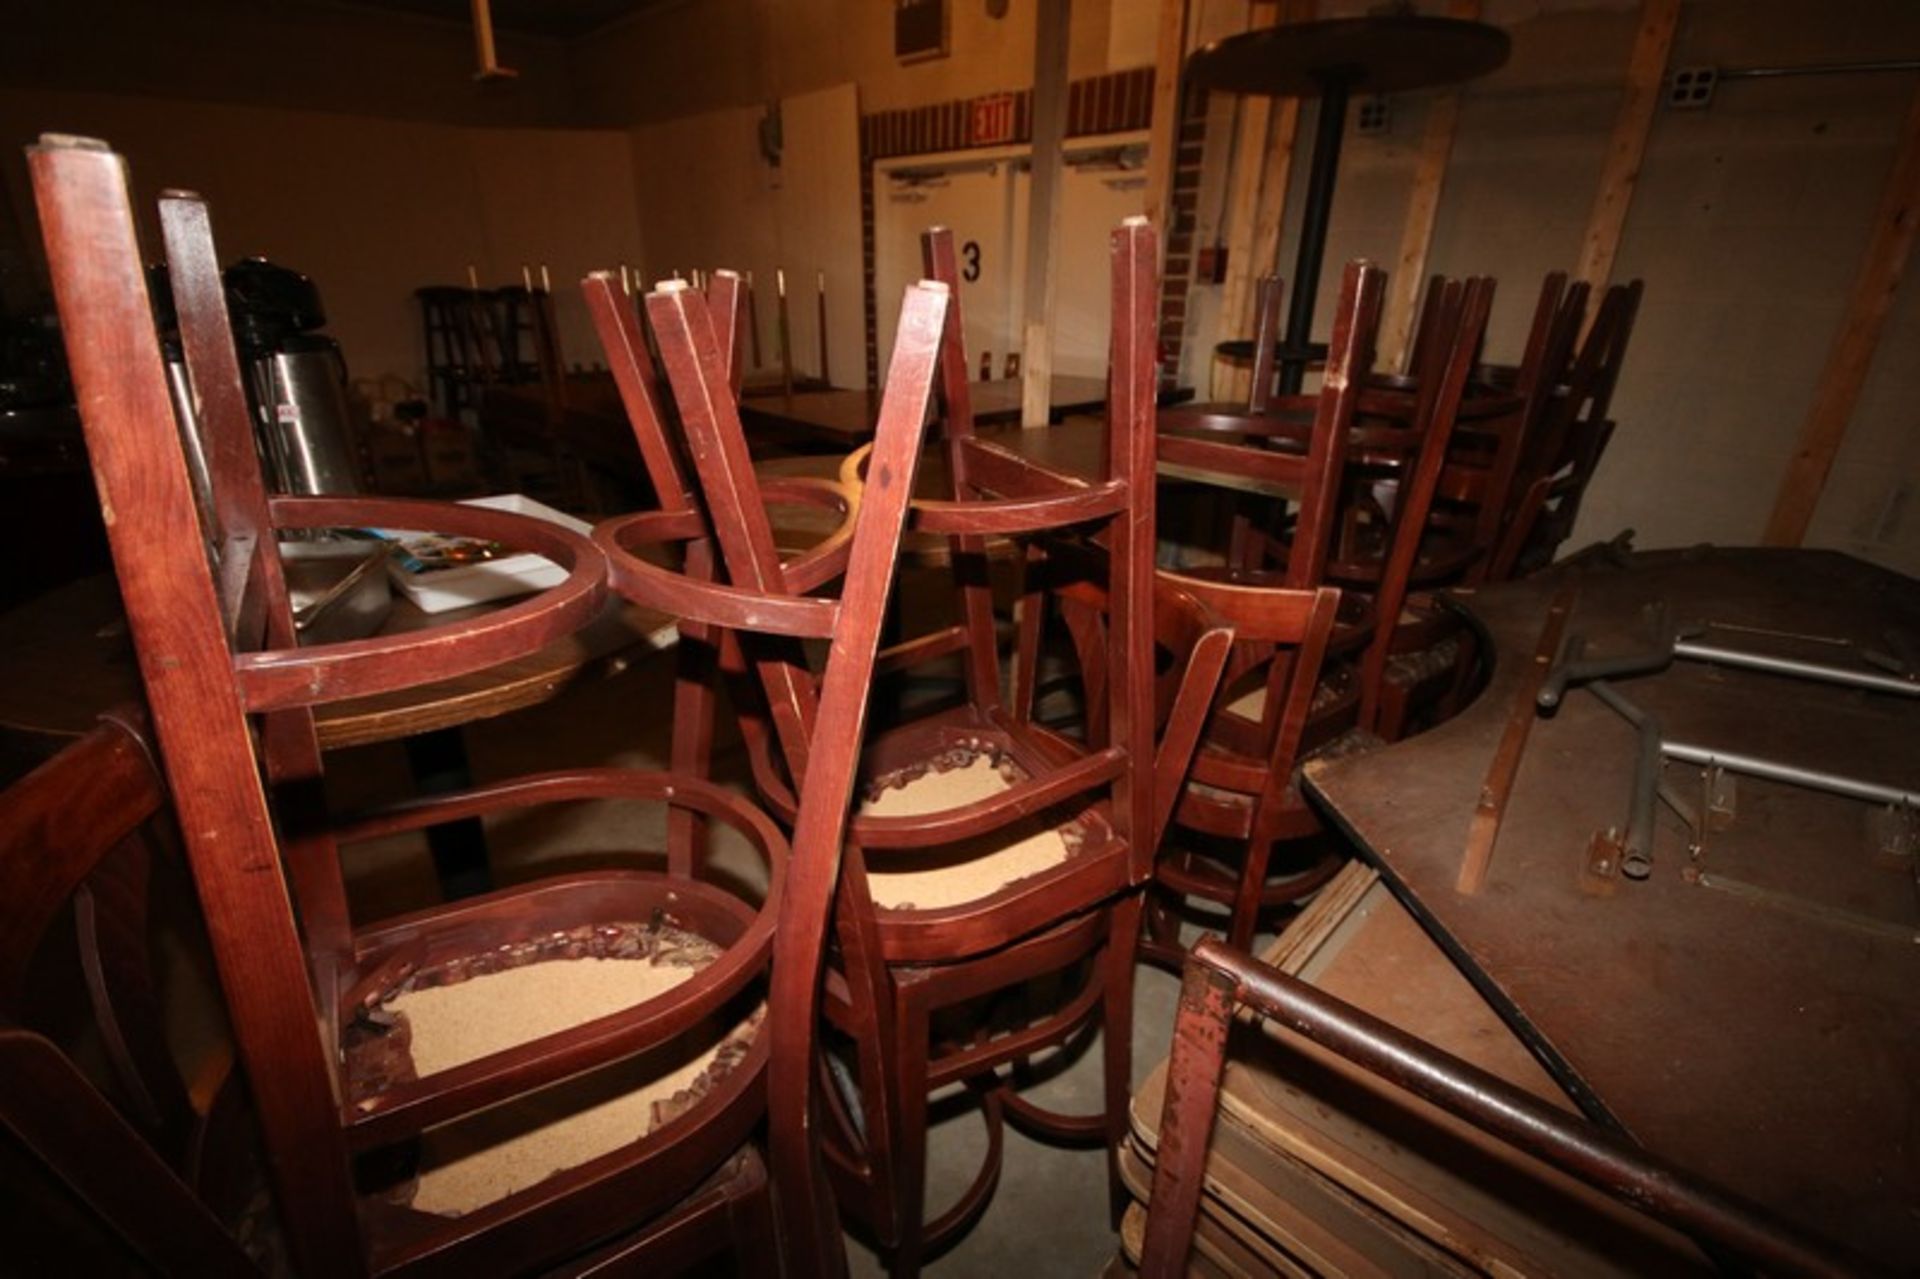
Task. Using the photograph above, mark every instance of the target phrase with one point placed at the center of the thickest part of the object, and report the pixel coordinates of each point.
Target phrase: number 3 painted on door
(971, 251)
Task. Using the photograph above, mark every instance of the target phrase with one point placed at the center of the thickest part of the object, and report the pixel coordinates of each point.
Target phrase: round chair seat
(974, 868)
(461, 1011)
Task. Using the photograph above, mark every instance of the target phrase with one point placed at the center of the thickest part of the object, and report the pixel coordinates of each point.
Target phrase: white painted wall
(708, 199)
(982, 197)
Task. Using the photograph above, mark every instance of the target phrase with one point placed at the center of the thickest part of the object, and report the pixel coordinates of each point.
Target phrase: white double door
(983, 198)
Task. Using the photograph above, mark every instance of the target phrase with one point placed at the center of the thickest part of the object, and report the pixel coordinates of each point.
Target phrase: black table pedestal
(1314, 219)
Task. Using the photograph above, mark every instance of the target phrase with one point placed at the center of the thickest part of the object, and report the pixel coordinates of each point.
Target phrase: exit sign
(991, 120)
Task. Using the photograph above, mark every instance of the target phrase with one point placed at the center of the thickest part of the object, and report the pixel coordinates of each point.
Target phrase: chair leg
(1116, 1032)
(756, 1241)
(1162, 917)
(693, 709)
(1394, 709)
(913, 1032)
(1246, 902)
(696, 669)
(874, 1031)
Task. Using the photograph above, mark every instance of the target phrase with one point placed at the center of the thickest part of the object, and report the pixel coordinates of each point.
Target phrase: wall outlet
(1691, 88)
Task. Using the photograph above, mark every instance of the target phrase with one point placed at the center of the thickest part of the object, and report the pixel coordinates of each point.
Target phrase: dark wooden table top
(66, 656)
(1769, 1041)
(1075, 448)
(1383, 53)
(847, 416)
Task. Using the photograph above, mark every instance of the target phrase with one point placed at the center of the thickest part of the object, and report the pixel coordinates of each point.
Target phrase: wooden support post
(1894, 225)
(1245, 182)
(1621, 171)
(1423, 208)
(1276, 168)
(1163, 133)
(1043, 209)
(1253, 245)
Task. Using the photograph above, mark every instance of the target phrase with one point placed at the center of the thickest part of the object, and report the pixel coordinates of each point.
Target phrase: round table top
(67, 656)
(1389, 53)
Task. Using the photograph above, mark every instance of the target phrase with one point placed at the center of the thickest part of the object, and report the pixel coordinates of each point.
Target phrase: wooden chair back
(1289, 629)
(1459, 328)
(820, 724)
(1567, 429)
(74, 840)
(296, 971)
(1312, 477)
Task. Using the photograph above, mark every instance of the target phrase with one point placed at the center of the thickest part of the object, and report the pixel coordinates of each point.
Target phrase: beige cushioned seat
(479, 1159)
(928, 879)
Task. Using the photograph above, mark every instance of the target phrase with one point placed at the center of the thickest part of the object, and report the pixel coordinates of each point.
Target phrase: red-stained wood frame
(685, 328)
(214, 645)
(73, 839)
(893, 968)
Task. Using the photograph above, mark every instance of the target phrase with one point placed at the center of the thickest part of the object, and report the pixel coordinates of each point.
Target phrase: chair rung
(1023, 514)
(924, 830)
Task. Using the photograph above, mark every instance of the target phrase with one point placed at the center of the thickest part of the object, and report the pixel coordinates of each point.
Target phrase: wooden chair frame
(1568, 427)
(73, 837)
(696, 335)
(1240, 789)
(296, 971)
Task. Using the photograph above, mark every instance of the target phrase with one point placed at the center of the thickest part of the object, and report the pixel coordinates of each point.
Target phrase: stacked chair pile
(656, 1066)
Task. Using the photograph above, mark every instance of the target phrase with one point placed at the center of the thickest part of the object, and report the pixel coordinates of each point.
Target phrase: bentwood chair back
(986, 851)
(1237, 450)
(1568, 429)
(400, 1067)
(143, 1156)
(764, 601)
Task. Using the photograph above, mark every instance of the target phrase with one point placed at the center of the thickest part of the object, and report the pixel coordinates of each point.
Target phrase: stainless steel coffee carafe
(296, 379)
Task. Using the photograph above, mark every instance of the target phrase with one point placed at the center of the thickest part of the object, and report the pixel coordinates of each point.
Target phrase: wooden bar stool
(560, 1075)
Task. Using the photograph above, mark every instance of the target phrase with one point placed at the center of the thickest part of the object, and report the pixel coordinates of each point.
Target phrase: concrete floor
(1049, 1215)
